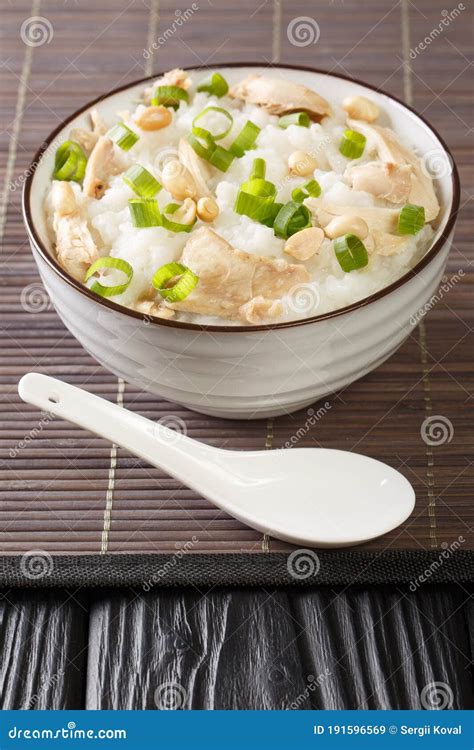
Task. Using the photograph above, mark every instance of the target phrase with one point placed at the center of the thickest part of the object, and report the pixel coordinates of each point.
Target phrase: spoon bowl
(312, 496)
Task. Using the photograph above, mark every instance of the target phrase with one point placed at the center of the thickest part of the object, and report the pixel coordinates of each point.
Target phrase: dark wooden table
(379, 647)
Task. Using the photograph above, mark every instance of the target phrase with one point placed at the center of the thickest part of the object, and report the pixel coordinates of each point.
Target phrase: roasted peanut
(301, 164)
(154, 118)
(303, 245)
(178, 180)
(349, 224)
(360, 108)
(207, 209)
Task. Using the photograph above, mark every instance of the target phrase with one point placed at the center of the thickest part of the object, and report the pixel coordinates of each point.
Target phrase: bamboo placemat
(65, 492)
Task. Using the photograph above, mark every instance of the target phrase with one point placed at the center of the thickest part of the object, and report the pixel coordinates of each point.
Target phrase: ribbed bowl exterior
(245, 375)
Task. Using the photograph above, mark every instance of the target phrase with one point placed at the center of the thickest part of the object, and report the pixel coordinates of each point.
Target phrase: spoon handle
(167, 449)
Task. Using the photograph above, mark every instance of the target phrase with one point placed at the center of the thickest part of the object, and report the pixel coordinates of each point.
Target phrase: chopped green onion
(259, 168)
(141, 181)
(221, 158)
(411, 219)
(255, 199)
(215, 85)
(350, 252)
(211, 152)
(311, 189)
(145, 212)
(273, 211)
(123, 136)
(204, 133)
(174, 226)
(169, 96)
(109, 262)
(180, 290)
(352, 144)
(294, 118)
(69, 162)
(291, 218)
(245, 140)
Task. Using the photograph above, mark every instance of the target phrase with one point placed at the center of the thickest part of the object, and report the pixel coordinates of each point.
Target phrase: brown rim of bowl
(53, 263)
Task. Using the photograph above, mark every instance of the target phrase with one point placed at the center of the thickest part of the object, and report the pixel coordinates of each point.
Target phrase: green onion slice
(245, 139)
(201, 132)
(215, 85)
(294, 118)
(123, 136)
(411, 219)
(311, 189)
(69, 162)
(184, 285)
(141, 181)
(174, 226)
(291, 218)
(259, 169)
(216, 155)
(145, 212)
(109, 262)
(170, 96)
(352, 144)
(350, 252)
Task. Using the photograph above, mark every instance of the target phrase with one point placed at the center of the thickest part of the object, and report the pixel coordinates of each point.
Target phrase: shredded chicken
(101, 165)
(278, 96)
(196, 166)
(75, 248)
(230, 278)
(88, 138)
(382, 219)
(386, 244)
(149, 307)
(389, 149)
(175, 77)
(382, 179)
(260, 310)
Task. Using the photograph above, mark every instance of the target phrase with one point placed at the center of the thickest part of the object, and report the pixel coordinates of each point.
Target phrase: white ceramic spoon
(307, 496)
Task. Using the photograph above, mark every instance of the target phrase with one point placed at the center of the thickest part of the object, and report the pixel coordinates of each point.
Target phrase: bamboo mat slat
(61, 489)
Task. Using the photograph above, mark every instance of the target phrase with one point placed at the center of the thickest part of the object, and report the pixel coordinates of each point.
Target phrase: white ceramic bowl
(243, 372)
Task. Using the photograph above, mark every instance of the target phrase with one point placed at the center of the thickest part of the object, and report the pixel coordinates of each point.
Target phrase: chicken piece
(387, 244)
(175, 77)
(278, 96)
(196, 166)
(389, 149)
(259, 310)
(382, 179)
(88, 138)
(149, 307)
(230, 278)
(101, 165)
(378, 219)
(75, 248)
